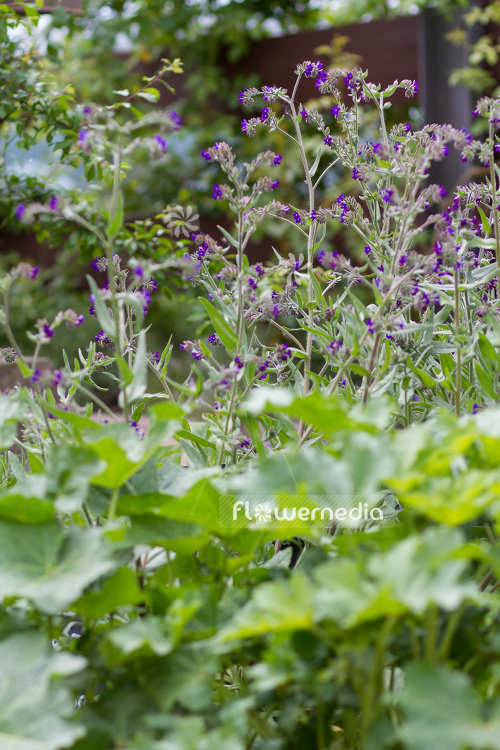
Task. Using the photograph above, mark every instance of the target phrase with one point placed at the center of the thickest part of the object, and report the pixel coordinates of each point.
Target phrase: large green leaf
(34, 711)
(444, 711)
(274, 608)
(49, 565)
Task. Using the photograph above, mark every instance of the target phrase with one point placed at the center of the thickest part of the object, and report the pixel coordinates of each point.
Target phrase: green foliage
(149, 599)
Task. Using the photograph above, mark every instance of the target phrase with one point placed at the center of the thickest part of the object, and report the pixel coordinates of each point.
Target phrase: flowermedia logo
(307, 512)
(183, 221)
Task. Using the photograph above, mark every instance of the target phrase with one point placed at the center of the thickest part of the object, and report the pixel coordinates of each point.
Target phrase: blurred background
(82, 53)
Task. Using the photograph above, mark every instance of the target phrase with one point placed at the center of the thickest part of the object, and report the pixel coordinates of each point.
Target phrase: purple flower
(175, 119)
(387, 194)
(303, 113)
(160, 140)
(336, 110)
(328, 140)
(87, 110)
(403, 260)
(475, 408)
(442, 192)
(57, 377)
(282, 353)
(369, 323)
(216, 193)
(79, 320)
(277, 160)
(408, 127)
(34, 272)
(48, 331)
(275, 184)
(82, 135)
(446, 150)
(36, 376)
(335, 346)
(145, 298)
(244, 126)
(156, 357)
(102, 339)
(53, 203)
(139, 271)
(264, 117)
(206, 155)
(356, 174)
(367, 250)
(20, 210)
(348, 80)
(296, 217)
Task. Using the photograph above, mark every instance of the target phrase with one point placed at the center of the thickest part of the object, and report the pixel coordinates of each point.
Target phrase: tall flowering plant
(414, 317)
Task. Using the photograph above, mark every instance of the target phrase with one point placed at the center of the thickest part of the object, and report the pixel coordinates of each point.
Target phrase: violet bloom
(34, 272)
(20, 210)
(36, 376)
(87, 110)
(53, 203)
(145, 299)
(48, 331)
(277, 160)
(367, 250)
(336, 110)
(82, 135)
(206, 155)
(328, 140)
(156, 357)
(57, 377)
(275, 184)
(264, 117)
(79, 320)
(370, 325)
(335, 346)
(356, 174)
(408, 127)
(161, 143)
(139, 271)
(303, 114)
(175, 119)
(296, 217)
(102, 339)
(216, 193)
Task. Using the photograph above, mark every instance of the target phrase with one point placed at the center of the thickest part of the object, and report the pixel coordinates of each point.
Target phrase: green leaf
(137, 639)
(116, 221)
(33, 708)
(137, 387)
(223, 329)
(484, 221)
(120, 590)
(485, 380)
(443, 710)
(105, 320)
(49, 566)
(274, 608)
(422, 375)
